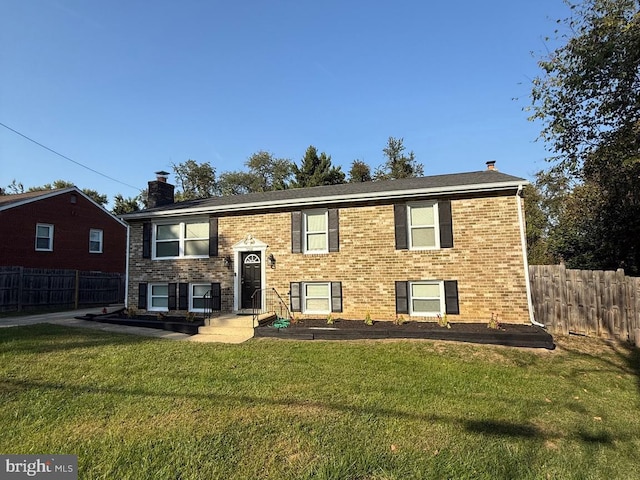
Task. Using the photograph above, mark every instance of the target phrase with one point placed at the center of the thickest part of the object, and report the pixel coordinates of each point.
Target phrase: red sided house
(60, 229)
(419, 248)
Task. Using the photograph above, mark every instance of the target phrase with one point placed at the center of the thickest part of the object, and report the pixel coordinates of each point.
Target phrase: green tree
(359, 172)
(99, 198)
(588, 101)
(124, 205)
(195, 180)
(316, 170)
(13, 188)
(265, 173)
(397, 164)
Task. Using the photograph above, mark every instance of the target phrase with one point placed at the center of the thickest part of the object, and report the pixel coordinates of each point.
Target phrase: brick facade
(72, 217)
(486, 260)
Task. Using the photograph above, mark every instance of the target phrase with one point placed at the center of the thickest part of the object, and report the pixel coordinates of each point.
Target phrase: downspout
(126, 273)
(525, 260)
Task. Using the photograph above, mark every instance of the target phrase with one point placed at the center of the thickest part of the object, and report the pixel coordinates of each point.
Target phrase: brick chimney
(491, 165)
(160, 192)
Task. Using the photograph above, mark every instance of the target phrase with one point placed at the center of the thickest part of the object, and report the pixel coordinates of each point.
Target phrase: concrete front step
(235, 337)
(228, 328)
(229, 321)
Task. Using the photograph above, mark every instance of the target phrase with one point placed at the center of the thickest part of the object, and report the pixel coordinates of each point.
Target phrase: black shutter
(400, 221)
(296, 232)
(213, 236)
(146, 240)
(183, 296)
(402, 297)
(142, 296)
(173, 304)
(336, 296)
(216, 297)
(294, 294)
(446, 224)
(451, 297)
(334, 230)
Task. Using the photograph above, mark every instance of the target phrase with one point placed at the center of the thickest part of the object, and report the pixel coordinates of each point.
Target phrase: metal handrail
(272, 303)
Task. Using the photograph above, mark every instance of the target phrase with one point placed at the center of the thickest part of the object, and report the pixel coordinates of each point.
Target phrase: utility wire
(67, 158)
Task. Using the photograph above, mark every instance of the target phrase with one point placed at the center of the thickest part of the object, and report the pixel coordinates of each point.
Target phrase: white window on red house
(95, 240)
(44, 237)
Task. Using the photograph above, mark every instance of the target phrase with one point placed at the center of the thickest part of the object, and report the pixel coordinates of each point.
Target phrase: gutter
(126, 273)
(327, 200)
(525, 260)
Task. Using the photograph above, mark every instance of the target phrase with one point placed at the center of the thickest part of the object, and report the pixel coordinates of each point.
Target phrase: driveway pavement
(68, 319)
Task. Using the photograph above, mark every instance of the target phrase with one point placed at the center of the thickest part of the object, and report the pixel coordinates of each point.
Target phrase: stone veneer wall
(486, 260)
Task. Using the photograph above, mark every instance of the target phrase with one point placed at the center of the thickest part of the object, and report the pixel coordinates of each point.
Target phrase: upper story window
(95, 240)
(316, 231)
(181, 239)
(423, 225)
(44, 237)
(423, 221)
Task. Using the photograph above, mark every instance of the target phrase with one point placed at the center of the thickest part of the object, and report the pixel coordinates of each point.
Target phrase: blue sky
(130, 87)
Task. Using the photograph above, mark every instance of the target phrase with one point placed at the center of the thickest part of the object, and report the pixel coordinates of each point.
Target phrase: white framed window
(95, 240)
(158, 297)
(181, 239)
(426, 298)
(199, 297)
(316, 298)
(316, 231)
(44, 237)
(423, 226)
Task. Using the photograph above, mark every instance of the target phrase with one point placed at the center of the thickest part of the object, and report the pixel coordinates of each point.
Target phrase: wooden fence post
(20, 287)
(77, 290)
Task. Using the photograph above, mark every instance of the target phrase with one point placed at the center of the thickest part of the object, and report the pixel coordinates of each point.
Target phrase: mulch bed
(171, 324)
(508, 334)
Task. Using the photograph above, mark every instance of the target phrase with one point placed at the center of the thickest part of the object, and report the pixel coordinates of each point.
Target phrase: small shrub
(190, 317)
(367, 319)
(399, 320)
(131, 312)
(330, 319)
(161, 316)
(442, 321)
(494, 323)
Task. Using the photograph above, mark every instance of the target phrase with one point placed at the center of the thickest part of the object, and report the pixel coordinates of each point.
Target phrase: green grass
(138, 408)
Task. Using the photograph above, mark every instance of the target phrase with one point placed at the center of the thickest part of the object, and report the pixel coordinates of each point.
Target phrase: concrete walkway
(68, 320)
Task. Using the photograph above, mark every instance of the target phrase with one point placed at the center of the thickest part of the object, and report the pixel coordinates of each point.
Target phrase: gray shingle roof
(485, 180)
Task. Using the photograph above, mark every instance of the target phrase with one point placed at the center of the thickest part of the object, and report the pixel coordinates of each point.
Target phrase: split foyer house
(60, 229)
(420, 247)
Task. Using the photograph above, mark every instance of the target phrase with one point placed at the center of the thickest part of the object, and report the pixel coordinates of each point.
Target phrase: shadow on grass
(502, 428)
(48, 338)
(627, 354)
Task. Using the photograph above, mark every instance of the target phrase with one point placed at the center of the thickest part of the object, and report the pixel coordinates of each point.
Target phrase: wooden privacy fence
(31, 288)
(586, 302)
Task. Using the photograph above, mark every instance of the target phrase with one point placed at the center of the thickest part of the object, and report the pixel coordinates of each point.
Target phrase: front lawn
(139, 408)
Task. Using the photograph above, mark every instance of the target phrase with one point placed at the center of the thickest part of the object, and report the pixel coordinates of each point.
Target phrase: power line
(67, 158)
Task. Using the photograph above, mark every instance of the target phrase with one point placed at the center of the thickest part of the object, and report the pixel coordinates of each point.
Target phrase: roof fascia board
(36, 198)
(329, 200)
(120, 221)
(55, 193)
